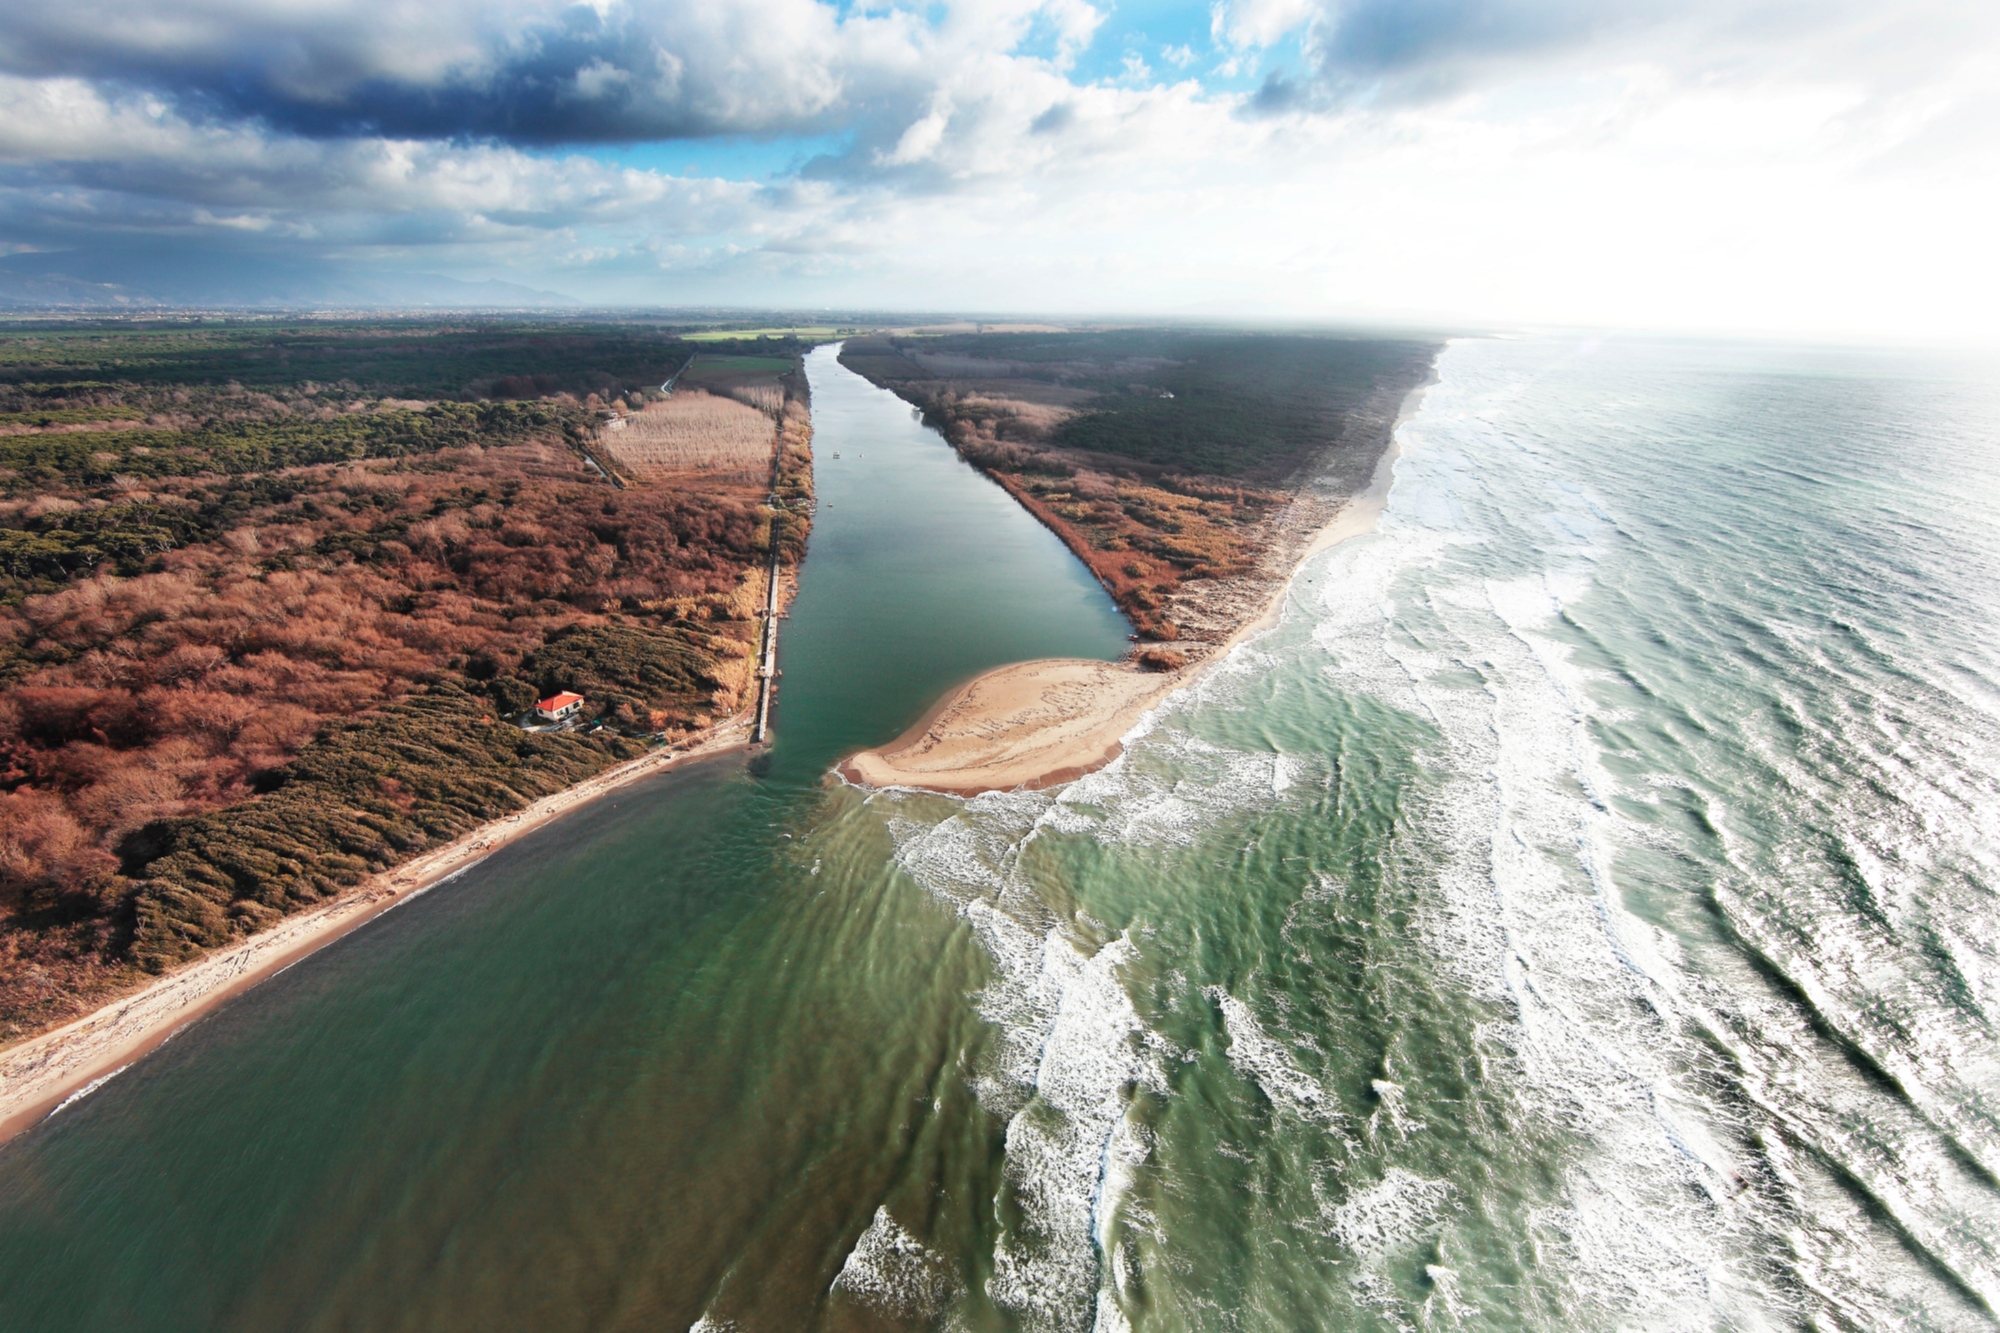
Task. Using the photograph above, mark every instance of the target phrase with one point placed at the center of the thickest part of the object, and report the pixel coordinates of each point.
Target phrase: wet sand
(1029, 725)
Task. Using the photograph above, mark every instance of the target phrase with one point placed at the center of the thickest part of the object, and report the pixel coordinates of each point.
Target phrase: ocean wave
(1069, 1048)
(889, 1271)
(1702, 872)
(1391, 1214)
(1271, 1067)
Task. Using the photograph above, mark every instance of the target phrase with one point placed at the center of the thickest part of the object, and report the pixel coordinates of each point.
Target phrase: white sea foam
(1069, 1047)
(1728, 1162)
(1185, 786)
(1060, 1145)
(1270, 1066)
(1528, 903)
(1528, 896)
(890, 1271)
(1392, 1214)
(86, 1090)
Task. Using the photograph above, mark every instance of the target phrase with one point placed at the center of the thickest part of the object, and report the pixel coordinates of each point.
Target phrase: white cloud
(1259, 22)
(1844, 179)
(921, 140)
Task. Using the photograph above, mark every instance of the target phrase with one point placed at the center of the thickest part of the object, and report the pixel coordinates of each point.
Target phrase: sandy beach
(1037, 724)
(40, 1076)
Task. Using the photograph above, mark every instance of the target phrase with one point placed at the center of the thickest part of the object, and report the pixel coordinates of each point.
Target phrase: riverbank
(40, 1076)
(321, 607)
(1032, 725)
(1172, 463)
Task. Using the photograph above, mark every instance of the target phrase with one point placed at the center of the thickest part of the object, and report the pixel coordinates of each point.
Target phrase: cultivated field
(694, 429)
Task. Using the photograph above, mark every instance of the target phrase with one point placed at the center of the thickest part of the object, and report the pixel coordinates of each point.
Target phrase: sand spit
(1029, 725)
(1037, 724)
(39, 1077)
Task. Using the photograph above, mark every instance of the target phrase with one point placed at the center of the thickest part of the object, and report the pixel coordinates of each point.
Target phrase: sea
(1578, 912)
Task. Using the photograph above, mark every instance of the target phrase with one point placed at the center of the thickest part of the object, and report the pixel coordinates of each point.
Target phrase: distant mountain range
(103, 281)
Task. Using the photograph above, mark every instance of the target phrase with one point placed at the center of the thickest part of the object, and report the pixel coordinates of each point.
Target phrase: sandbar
(1025, 726)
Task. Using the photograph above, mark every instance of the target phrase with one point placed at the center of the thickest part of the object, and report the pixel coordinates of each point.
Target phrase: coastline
(1033, 725)
(42, 1075)
(1026, 726)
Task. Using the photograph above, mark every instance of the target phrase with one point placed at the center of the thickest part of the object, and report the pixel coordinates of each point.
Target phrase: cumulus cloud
(1308, 154)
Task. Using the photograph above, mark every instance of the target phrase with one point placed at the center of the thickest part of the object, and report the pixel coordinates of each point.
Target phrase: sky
(1822, 167)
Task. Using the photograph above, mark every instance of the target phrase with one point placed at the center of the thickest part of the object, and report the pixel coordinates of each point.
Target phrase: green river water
(666, 1055)
(1582, 911)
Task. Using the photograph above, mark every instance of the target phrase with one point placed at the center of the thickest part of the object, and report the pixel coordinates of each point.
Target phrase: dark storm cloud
(535, 75)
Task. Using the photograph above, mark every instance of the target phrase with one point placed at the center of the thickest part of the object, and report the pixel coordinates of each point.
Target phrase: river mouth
(1574, 913)
(678, 1035)
(921, 574)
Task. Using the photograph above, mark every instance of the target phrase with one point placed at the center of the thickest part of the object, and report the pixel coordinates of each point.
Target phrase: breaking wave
(1577, 912)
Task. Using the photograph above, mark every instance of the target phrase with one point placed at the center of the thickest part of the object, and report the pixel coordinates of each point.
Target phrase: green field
(772, 364)
(813, 333)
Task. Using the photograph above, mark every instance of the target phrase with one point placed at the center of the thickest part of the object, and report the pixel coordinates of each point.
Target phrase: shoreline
(44, 1074)
(1099, 704)
(1033, 725)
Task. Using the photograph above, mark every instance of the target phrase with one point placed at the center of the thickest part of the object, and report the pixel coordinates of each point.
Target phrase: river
(1578, 912)
(666, 1056)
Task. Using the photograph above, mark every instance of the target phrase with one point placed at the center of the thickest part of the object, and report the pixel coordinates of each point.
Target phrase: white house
(559, 707)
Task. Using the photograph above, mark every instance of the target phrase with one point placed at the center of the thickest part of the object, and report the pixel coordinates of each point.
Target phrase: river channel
(658, 1064)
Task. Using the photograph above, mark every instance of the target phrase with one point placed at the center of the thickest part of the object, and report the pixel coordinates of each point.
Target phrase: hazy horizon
(1780, 168)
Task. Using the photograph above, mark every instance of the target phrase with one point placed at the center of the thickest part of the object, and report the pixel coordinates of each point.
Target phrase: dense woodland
(1157, 455)
(271, 598)
(426, 358)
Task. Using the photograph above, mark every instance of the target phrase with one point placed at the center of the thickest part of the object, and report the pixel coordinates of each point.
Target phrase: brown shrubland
(766, 398)
(179, 722)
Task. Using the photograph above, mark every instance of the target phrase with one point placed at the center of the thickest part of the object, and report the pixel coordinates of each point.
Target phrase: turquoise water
(1578, 913)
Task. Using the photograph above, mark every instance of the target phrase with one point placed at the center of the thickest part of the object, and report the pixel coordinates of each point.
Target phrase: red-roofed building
(559, 707)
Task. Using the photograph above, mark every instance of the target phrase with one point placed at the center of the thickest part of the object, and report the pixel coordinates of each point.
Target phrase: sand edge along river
(1026, 726)
(41, 1076)
(1034, 725)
